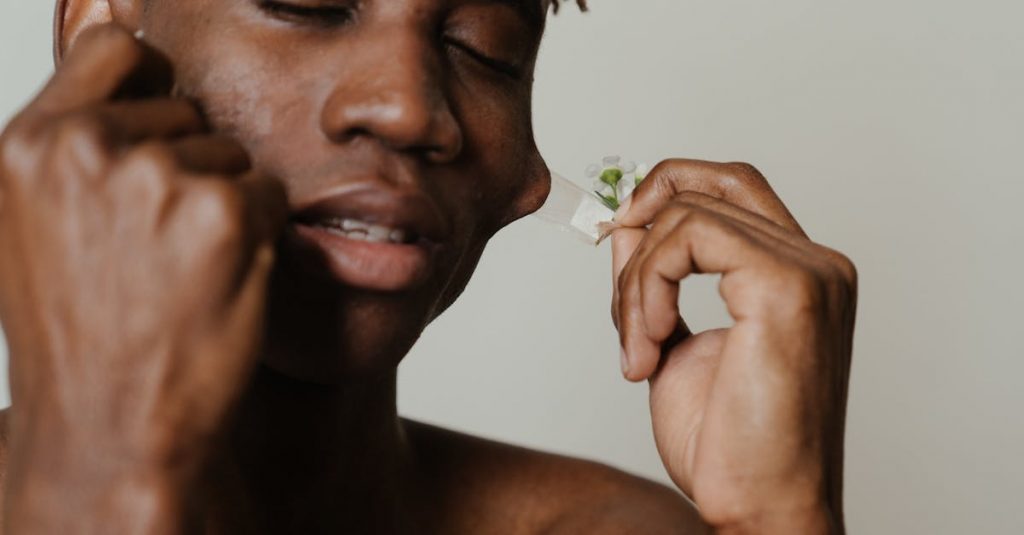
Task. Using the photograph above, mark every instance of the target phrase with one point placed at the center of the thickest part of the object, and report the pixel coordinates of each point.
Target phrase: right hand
(135, 250)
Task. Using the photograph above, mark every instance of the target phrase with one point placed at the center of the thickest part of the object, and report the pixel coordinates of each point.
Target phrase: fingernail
(623, 208)
(624, 361)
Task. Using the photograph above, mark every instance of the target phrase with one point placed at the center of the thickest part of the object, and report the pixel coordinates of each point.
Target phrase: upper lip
(376, 204)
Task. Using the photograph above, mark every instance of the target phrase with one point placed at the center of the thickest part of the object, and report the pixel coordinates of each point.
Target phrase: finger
(245, 313)
(214, 154)
(153, 118)
(700, 243)
(106, 62)
(783, 241)
(228, 221)
(637, 352)
(742, 215)
(641, 351)
(624, 243)
(739, 184)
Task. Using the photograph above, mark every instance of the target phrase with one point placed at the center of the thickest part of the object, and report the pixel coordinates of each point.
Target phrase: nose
(393, 92)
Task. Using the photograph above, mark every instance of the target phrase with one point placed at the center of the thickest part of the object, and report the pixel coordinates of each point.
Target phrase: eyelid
(326, 14)
(503, 67)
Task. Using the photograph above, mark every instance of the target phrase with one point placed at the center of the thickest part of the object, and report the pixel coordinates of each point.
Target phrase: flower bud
(611, 176)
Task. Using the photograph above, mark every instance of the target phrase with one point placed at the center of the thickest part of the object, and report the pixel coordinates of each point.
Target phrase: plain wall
(894, 132)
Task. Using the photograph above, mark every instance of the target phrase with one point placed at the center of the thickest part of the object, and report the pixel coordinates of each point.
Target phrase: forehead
(533, 10)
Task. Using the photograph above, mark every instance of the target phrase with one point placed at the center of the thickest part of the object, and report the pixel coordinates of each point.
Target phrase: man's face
(402, 131)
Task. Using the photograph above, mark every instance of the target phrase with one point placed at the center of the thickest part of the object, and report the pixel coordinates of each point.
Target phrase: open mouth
(371, 236)
(355, 229)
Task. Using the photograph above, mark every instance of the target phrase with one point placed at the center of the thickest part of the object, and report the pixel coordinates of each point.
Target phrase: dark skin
(261, 206)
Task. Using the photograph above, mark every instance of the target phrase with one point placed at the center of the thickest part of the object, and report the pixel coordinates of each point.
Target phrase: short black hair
(556, 3)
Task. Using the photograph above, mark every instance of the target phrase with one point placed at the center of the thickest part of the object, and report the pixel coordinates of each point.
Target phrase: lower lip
(382, 266)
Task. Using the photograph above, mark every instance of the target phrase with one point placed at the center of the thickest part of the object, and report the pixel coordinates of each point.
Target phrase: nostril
(413, 119)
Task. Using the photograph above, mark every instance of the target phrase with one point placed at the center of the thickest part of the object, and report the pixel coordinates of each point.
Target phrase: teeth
(360, 230)
(378, 233)
(352, 224)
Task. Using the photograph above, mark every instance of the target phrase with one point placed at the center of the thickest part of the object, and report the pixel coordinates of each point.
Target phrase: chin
(323, 332)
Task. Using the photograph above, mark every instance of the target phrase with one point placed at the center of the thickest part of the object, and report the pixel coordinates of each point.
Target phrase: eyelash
(329, 16)
(325, 16)
(501, 67)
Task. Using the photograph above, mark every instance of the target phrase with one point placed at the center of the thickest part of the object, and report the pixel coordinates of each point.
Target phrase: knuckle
(847, 269)
(666, 166)
(695, 218)
(738, 176)
(19, 144)
(670, 214)
(803, 289)
(677, 211)
(148, 188)
(842, 272)
(82, 132)
(745, 172)
(149, 159)
(83, 141)
(218, 208)
(659, 179)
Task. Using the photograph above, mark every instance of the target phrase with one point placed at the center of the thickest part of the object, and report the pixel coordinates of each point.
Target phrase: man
(209, 274)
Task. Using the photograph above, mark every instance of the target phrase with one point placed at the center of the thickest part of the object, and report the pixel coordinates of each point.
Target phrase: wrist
(75, 484)
(813, 520)
(89, 503)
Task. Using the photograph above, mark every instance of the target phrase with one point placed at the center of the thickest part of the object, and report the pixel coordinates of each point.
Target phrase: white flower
(613, 180)
(642, 171)
(626, 188)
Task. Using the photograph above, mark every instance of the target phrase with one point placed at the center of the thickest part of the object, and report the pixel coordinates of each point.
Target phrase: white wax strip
(577, 211)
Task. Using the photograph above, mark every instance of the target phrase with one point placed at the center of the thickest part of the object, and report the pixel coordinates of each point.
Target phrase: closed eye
(503, 67)
(321, 15)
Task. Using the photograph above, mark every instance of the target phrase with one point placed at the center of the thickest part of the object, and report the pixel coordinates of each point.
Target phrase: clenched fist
(135, 248)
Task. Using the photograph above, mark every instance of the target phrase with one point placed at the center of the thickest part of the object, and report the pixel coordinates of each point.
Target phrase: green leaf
(609, 200)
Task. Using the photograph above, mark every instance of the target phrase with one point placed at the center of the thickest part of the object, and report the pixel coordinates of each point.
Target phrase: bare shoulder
(525, 491)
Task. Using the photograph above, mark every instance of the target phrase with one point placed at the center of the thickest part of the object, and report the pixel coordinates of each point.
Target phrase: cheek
(244, 96)
(245, 89)
(499, 135)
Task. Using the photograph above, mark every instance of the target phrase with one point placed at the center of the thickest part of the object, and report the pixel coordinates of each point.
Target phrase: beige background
(894, 132)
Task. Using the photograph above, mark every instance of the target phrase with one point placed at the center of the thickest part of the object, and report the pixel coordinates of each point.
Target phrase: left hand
(748, 420)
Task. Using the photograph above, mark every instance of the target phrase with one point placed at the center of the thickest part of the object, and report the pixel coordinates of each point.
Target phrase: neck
(315, 457)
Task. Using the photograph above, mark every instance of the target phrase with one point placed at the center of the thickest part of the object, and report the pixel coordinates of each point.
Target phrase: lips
(372, 236)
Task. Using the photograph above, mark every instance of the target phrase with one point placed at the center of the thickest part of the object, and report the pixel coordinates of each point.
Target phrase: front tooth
(336, 231)
(353, 224)
(397, 236)
(378, 233)
(356, 235)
